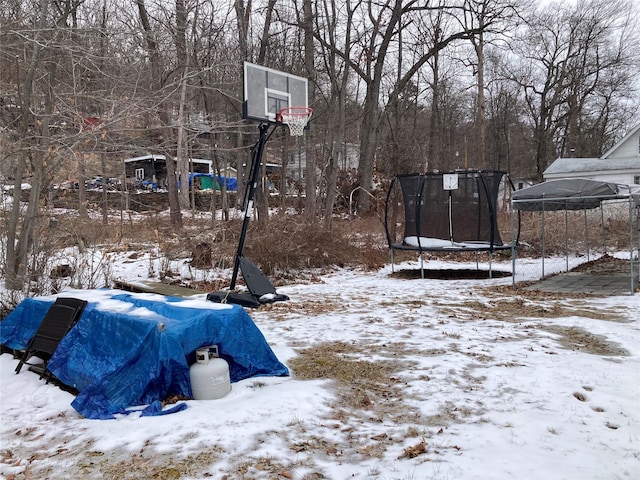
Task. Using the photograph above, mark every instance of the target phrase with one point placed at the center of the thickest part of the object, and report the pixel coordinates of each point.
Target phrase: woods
(407, 85)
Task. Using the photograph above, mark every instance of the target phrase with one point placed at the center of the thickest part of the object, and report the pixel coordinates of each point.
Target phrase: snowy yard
(391, 379)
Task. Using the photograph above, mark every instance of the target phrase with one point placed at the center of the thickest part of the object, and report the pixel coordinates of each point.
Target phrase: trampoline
(450, 212)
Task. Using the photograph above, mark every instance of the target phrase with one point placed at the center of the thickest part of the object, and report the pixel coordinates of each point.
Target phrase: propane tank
(209, 375)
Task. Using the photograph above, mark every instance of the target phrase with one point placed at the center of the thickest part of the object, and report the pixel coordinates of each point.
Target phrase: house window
(139, 174)
(636, 179)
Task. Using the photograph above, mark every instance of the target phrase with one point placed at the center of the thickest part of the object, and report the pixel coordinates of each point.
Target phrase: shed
(153, 168)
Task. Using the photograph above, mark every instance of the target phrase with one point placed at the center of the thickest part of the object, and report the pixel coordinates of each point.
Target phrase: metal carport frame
(582, 194)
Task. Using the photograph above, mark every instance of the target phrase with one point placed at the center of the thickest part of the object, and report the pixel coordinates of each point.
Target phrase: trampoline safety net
(446, 211)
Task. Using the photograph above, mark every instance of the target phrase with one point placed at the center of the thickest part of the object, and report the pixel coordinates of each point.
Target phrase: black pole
(254, 175)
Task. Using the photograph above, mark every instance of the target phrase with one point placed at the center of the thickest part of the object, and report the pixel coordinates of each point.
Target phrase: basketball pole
(249, 193)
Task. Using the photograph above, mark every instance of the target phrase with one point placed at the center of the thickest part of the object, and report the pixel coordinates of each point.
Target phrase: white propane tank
(209, 375)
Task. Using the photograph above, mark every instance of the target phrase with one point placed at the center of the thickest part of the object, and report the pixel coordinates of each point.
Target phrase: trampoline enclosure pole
(604, 231)
(631, 270)
(513, 250)
(586, 234)
(566, 240)
(542, 239)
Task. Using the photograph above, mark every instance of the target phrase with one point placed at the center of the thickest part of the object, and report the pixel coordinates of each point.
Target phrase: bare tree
(157, 81)
(309, 62)
(36, 150)
(503, 119)
(328, 16)
(182, 66)
(604, 60)
(573, 52)
(374, 41)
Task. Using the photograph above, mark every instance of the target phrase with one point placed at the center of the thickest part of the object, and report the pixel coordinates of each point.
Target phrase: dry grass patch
(145, 464)
(575, 338)
(284, 310)
(261, 466)
(293, 242)
(521, 309)
(361, 383)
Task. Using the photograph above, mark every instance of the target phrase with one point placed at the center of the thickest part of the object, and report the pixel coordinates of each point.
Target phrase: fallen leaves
(415, 450)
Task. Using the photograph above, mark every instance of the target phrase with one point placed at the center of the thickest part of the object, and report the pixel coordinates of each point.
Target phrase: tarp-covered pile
(134, 349)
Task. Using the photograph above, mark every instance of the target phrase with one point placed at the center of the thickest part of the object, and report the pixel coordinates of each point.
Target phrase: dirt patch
(518, 309)
(526, 290)
(575, 338)
(605, 265)
(449, 274)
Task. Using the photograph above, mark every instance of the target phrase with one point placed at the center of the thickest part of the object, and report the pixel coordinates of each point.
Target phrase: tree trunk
(480, 148)
(311, 184)
(183, 166)
(19, 244)
(262, 191)
(368, 143)
(337, 105)
(183, 65)
(243, 14)
(175, 214)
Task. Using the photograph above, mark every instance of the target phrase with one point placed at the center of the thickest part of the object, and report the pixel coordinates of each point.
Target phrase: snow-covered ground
(482, 382)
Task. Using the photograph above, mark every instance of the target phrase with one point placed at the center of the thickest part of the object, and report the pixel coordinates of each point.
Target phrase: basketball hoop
(296, 118)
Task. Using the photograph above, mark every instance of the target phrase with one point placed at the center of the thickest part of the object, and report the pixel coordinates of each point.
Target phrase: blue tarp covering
(230, 183)
(132, 349)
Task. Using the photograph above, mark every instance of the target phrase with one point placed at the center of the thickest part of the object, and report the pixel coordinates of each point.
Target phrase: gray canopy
(565, 194)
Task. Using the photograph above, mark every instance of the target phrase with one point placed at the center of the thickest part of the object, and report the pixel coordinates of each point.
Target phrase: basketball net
(296, 118)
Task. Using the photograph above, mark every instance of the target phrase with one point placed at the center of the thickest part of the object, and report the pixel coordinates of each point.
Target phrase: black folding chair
(59, 319)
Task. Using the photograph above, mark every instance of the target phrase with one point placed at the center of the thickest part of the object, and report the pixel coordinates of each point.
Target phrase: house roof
(160, 157)
(144, 157)
(607, 163)
(631, 132)
(592, 165)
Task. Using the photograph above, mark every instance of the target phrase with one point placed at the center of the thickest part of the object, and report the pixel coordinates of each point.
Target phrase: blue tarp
(230, 183)
(132, 349)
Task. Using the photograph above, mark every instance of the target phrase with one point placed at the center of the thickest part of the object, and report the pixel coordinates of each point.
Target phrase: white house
(621, 164)
(297, 162)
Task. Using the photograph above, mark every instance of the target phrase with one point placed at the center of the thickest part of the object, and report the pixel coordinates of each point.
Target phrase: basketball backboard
(267, 91)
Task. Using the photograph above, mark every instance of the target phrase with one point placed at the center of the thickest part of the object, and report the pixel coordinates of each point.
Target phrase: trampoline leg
(392, 265)
(421, 265)
(490, 271)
